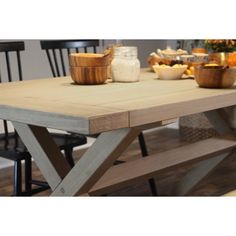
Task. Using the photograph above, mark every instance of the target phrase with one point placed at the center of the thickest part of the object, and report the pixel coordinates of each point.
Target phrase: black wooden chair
(11, 146)
(58, 52)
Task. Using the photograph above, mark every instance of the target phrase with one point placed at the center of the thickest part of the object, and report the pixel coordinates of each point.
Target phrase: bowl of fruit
(167, 72)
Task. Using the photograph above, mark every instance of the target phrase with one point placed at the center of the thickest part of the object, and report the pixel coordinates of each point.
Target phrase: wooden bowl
(214, 77)
(89, 59)
(89, 68)
(89, 75)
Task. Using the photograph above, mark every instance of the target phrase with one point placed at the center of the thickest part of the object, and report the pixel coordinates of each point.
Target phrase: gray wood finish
(46, 154)
(95, 162)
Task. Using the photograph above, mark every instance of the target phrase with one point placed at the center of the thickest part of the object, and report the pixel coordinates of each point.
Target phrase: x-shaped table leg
(63, 180)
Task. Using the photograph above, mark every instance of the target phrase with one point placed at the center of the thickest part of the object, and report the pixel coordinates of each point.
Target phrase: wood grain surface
(215, 78)
(89, 75)
(58, 103)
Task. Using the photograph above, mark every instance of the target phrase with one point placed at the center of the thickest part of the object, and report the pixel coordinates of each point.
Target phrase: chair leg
(17, 191)
(144, 152)
(69, 156)
(28, 176)
(142, 145)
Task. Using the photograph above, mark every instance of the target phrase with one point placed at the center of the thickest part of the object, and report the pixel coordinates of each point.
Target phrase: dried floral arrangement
(221, 45)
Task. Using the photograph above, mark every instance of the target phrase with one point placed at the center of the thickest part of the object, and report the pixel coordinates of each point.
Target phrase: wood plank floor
(220, 181)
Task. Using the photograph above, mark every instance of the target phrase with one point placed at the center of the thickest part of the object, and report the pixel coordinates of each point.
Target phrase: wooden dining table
(118, 112)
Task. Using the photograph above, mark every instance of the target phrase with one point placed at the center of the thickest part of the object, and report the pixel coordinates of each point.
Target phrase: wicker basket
(195, 127)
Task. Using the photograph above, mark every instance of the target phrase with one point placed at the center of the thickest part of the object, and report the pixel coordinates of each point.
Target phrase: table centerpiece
(196, 127)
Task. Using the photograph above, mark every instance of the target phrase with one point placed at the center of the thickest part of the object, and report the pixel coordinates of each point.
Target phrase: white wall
(34, 61)
(145, 47)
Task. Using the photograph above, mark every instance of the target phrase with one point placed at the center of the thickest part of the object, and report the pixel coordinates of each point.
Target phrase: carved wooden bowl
(215, 77)
(89, 75)
(89, 68)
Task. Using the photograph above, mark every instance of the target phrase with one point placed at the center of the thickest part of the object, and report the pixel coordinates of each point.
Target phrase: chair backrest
(58, 51)
(8, 48)
(10, 54)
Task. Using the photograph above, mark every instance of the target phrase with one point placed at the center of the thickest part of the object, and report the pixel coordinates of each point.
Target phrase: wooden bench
(142, 169)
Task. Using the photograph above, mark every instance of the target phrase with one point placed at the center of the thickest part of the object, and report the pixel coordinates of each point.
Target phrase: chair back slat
(68, 52)
(50, 63)
(62, 62)
(95, 49)
(5, 127)
(19, 65)
(8, 66)
(58, 61)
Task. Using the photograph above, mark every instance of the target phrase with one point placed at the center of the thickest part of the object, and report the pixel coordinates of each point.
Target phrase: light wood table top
(122, 109)
(57, 103)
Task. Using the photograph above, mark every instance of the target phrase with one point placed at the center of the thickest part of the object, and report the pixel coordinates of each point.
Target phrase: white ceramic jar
(125, 66)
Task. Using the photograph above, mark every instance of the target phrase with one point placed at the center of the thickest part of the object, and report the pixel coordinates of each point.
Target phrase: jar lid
(126, 51)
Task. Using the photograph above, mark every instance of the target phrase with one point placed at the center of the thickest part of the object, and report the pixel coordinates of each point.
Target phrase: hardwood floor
(220, 181)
